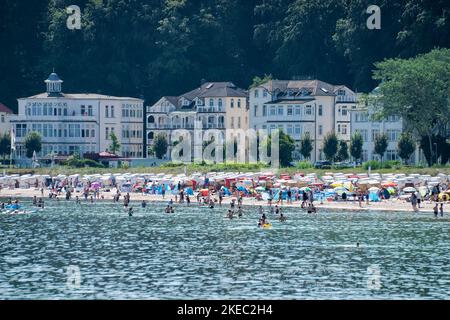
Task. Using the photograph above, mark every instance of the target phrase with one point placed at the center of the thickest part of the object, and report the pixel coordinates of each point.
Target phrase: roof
(315, 87)
(53, 77)
(290, 101)
(207, 90)
(81, 96)
(5, 109)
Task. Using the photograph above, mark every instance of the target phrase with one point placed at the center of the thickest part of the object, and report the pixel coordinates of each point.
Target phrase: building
(82, 123)
(300, 107)
(5, 118)
(213, 105)
(362, 121)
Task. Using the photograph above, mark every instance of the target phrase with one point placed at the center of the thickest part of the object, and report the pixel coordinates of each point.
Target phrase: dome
(53, 77)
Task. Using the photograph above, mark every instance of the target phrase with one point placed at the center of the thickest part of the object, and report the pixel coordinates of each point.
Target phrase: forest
(150, 48)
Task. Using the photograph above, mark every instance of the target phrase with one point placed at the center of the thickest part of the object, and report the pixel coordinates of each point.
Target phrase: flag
(13, 139)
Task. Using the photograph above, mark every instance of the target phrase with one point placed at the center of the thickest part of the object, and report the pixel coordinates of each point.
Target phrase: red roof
(4, 108)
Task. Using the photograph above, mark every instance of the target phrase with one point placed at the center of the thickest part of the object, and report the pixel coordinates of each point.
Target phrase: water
(196, 253)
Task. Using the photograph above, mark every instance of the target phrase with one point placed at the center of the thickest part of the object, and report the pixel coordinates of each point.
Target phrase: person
(441, 209)
(289, 195)
(344, 196)
(277, 210)
(172, 210)
(163, 191)
(34, 201)
(419, 198)
(220, 197)
(435, 210)
(77, 200)
(414, 201)
(130, 212)
(170, 202)
(211, 204)
(144, 204)
(282, 218)
(260, 210)
(230, 214)
(240, 212)
(168, 209)
(188, 199)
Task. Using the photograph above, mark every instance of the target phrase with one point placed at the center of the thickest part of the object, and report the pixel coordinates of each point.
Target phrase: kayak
(267, 225)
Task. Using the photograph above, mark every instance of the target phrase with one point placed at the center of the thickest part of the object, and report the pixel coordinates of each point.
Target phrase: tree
(5, 145)
(286, 147)
(33, 142)
(381, 144)
(343, 151)
(418, 90)
(406, 146)
(330, 146)
(356, 143)
(257, 81)
(160, 145)
(306, 146)
(115, 144)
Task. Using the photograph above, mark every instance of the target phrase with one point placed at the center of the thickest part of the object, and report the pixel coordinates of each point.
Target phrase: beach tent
(226, 191)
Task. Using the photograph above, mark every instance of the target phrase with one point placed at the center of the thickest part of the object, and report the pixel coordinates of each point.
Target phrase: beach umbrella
(391, 190)
(373, 189)
(260, 189)
(95, 185)
(336, 184)
(389, 184)
(340, 190)
(409, 189)
(305, 189)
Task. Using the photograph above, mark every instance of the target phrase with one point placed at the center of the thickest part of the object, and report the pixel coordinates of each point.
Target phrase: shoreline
(395, 205)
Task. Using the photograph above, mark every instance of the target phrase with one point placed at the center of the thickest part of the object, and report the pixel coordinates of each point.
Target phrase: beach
(391, 205)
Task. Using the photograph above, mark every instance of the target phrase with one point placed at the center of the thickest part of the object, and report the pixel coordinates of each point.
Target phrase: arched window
(211, 102)
(151, 119)
(106, 112)
(239, 103)
(232, 103)
(220, 102)
(150, 136)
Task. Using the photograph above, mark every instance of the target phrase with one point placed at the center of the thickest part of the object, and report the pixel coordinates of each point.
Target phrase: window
(211, 102)
(264, 93)
(107, 133)
(273, 111)
(232, 122)
(239, 122)
(289, 111)
(239, 103)
(341, 92)
(289, 129)
(280, 110)
(65, 112)
(297, 111)
(320, 110)
(391, 155)
(220, 103)
(3, 118)
(339, 128)
(320, 130)
(256, 111)
(106, 112)
(83, 110)
(364, 135)
(232, 103)
(393, 135)
(297, 130)
(344, 129)
(90, 111)
(264, 111)
(308, 110)
(256, 93)
(344, 111)
(375, 132)
(361, 117)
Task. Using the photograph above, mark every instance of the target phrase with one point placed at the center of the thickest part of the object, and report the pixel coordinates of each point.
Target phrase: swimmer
(282, 218)
(240, 212)
(144, 204)
(168, 209)
(230, 214)
(130, 212)
(77, 200)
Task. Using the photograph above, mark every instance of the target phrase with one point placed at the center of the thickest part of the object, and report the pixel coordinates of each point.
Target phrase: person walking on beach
(220, 197)
(419, 198)
(289, 195)
(188, 199)
(441, 209)
(163, 191)
(414, 201)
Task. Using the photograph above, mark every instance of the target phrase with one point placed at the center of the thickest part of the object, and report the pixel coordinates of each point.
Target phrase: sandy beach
(391, 205)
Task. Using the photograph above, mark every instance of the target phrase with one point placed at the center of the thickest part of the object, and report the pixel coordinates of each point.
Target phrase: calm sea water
(96, 251)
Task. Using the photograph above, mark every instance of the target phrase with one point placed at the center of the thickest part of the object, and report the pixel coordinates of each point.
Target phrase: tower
(53, 84)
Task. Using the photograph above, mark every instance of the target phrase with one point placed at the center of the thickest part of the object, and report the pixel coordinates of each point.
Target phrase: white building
(362, 121)
(80, 123)
(213, 105)
(301, 107)
(5, 118)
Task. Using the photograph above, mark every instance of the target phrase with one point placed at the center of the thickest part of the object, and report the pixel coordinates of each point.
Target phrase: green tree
(114, 147)
(356, 143)
(160, 145)
(418, 90)
(33, 142)
(286, 147)
(5, 145)
(330, 146)
(406, 146)
(342, 154)
(380, 144)
(257, 81)
(306, 146)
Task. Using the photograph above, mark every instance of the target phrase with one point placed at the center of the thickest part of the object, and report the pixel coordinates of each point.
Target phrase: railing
(211, 109)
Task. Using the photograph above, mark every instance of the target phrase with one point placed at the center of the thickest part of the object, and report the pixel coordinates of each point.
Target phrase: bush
(304, 165)
(81, 163)
(373, 164)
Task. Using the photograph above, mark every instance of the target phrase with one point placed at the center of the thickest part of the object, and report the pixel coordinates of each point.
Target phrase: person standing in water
(144, 204)
(130, 212)
(435, 210)
(441, 209)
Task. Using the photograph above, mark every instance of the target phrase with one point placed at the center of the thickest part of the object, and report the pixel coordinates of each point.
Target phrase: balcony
(345, 98)
(213, 109)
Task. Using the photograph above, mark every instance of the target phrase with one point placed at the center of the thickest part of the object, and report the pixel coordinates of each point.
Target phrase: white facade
(303, 107)
(5, 119)
(80, 123)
